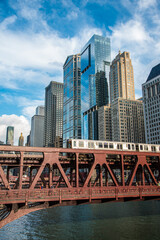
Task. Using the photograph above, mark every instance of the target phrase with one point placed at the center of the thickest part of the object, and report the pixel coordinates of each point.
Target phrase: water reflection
(131, 220)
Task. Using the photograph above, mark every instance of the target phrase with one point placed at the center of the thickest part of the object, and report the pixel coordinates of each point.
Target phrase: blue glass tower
(95, 66)
(72, 98)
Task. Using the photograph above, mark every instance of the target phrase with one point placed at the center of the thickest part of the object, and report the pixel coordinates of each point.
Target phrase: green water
(109, 221)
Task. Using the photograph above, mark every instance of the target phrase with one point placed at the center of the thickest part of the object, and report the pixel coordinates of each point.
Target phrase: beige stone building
(126, 112)
(104, 123)
(122, 78)
(128, 121)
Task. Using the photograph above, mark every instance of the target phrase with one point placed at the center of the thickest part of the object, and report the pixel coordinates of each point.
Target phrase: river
(107, 221)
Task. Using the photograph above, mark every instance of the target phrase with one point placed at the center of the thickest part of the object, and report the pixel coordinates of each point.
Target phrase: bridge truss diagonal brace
(4, 179)
(150, 171)
(64, 175)
(142, 161)
(48, 158)
(100, 159)
(111, 173)
(53, 158)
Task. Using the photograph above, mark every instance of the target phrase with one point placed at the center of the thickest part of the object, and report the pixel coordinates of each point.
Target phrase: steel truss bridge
(36, 178)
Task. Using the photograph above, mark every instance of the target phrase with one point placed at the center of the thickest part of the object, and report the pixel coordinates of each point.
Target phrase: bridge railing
(36, 195)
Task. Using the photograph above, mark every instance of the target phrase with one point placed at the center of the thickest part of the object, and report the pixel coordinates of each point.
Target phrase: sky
(36, 36)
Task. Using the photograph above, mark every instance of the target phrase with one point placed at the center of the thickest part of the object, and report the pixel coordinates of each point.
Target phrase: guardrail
(63, 194)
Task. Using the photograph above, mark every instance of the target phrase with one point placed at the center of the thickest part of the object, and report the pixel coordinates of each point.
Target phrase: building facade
(37, 128)
(21, 140)
(104, 123)
(40, 110)
(122, 78)
(95, 67)
(151, 99)
(53, 123)
(72, 98)
(126, 112)
(10, 135)
(127, 121)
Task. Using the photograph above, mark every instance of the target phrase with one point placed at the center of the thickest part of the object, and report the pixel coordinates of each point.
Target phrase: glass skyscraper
(95, 66)
(10, 135)
(53, 114)
(72, 98)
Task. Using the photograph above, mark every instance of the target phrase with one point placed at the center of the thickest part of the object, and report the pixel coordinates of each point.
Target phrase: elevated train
(105, 145)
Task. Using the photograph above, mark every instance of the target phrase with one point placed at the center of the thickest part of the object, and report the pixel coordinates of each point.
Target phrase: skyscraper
(10, 135)
(37, 128)
(40, 110)
(127, 121)
(21, 140)
(104, 123)
(151, 99)
(126, 112)
(122, 78)
(53, 124)
(95, 65)
(72, 98)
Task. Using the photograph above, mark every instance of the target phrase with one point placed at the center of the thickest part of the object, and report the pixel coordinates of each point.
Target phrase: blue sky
(37, 35)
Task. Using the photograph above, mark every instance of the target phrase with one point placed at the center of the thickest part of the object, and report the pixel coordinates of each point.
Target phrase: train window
(120, 146)
(145, 147)
(132, 146)
(105, 145)
(92, 145)
(74, 143)
(129, 146)
(81, 144)
(100, 145)
(141, 147)
(137, 147)
(110, 145)
(153, 148)
(117, 146)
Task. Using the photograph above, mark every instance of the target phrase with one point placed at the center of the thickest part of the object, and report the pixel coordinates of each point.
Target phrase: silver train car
(105, 145)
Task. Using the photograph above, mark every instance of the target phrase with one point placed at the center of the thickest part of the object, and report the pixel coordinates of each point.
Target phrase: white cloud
(29, 57)
(72, 15)
(28, 105)
(20, 123)
(140, 37)
(144, 4)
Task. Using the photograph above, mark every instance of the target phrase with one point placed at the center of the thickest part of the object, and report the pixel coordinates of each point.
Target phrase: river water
(107, 221)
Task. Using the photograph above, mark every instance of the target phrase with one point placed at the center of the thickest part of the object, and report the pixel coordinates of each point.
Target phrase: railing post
(90, 195)
(26, 198)
(101, 178)
(77, 170)
(116, 193)
(60, 196)
(21, 171)
(122, 170)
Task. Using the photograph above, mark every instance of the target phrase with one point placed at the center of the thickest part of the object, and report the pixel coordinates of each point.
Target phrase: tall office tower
(126, 112)
(127, 121)
(122, 78)
(37, 128)
(104, 123)
(10, 135)
(95, 66)
(28, 143)
(21, 140)
(40, 110)
(151, 100)
(53, 123)
(72, 98)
